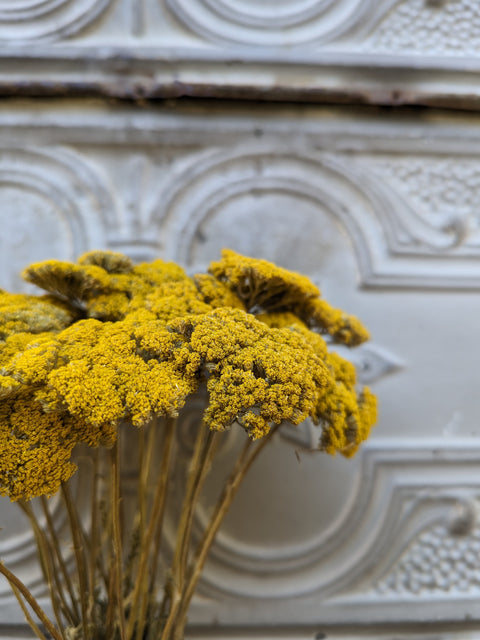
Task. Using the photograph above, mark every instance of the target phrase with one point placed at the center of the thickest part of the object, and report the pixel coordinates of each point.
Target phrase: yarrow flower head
(115, 342)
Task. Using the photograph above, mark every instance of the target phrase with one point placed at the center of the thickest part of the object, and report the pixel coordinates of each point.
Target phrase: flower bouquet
(100, 367)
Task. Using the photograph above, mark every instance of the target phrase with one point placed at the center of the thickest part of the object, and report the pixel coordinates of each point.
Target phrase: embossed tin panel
(381, 212)
(393, 52)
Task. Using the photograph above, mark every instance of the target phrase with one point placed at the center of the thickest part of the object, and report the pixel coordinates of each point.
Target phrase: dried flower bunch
(112, 343)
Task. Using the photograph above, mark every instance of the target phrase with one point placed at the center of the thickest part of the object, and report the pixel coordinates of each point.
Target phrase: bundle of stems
(121, 588)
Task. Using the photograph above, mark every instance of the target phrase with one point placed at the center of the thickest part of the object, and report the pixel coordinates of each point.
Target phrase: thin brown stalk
(110, 614)
(46, 556)
(117, 537)
(241, 468)
(175, 580)
(42, 553)
(25, 592)
(71, 610)
(156, 517)
(147, 448)
(148, 590)
(93, 547)
(80, 560)
(204, 467)
(147, 607)
(33, 625)
(103, 532)
(196, 464)
(146, 458)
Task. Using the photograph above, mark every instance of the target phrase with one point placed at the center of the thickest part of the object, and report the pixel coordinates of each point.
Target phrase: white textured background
(379, 208)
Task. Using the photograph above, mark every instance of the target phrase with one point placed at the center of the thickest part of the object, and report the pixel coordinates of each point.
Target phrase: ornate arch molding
(373, 549)
(55, 204)
(37, 21)
(393, 245)
(291, 23)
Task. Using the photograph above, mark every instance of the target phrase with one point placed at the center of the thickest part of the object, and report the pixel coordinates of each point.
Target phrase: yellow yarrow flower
(115, 342)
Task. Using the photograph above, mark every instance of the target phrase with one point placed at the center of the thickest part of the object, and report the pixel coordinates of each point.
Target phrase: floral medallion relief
(442, 557)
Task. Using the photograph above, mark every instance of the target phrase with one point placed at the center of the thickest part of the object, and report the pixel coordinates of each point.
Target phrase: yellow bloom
(257, 376)
(110, 261)
(261, 285)
(343, 328)
(278, 295)
(21, 313)
(345, 415)
(35, 449)
(115, 342)
(69, 282)
(215, 293)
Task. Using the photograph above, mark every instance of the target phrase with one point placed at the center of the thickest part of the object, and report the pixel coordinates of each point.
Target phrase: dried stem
(33, 625)
(145, 609)
(110, 615)
(93, 549)
(80, 560)
(156, 517)
(72, 612)
(46, 557)
(25, 592)
(241, 468)
(204, 467)
(117, 537)
(173, 589)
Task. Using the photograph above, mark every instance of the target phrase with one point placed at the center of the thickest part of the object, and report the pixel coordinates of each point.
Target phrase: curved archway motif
(392, 244)
(382, 501)
(287, 23)
(28, 21)
(54, 206)
(405, 497)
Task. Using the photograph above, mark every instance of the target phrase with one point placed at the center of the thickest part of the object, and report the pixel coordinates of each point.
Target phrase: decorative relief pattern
(411, 221)
(45, 20)
(411, 529)
(433, 27)
(284, 23)
(53, 205)
(443, 558)
(256, 179)
(442, 192)
(371, 361)
(396, 219)
(407, 226)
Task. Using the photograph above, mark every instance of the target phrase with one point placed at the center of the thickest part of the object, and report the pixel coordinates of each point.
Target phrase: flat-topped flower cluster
(112, 342)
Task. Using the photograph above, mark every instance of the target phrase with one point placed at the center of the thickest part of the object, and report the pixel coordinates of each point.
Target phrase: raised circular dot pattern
(435, 189)
(432, 27)
(435, 562)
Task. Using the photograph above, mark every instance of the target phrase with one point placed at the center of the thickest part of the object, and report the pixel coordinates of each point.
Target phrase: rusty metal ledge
(162, 74)
(138, 90)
